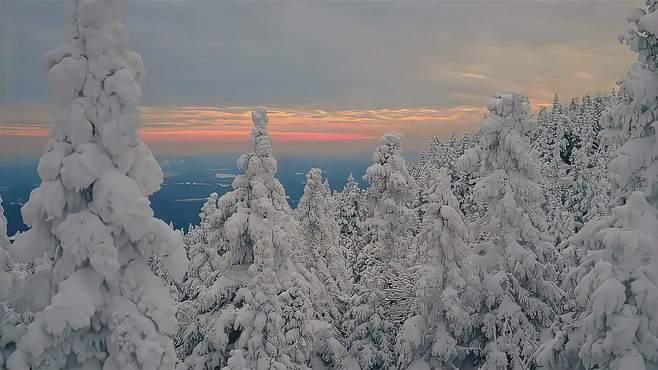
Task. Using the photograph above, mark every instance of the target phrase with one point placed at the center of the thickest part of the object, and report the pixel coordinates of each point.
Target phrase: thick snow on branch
(518, 292)
(632, 123)
(617, 293)
(613, 320)
(254, 302)
(381, 290)
(443, 321)
(321, 251)
(91, 215)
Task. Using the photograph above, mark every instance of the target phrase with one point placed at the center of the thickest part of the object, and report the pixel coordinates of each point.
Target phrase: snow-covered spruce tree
(11, 327)
(4, 239)
(519, 296)
(11, 323)
(440, 154)
(613, 325)
(389, 197)
(390, 229)
(351, 214)
(205, 247)
(620, 293)
(574, 163)
(462, 182)
(255, 312)
(101, 307)
(371, 333)
(160, 270)
(586, 190)
(321, 249)
(202, 269)
(550, 140)
(591, 158)
(204, 254)
(633, 121)
(433, 336)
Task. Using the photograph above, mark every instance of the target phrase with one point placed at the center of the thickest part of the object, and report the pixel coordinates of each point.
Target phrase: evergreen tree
(631, 124)
(98, 306)
(351, 215)
(440, 155)
(518, 292)
(613, 323)
(321, 252)
(371, 334)
(255, 312)
(432, 337)
(550, 139)
(205, 247)
(11, 322)
(389, 197)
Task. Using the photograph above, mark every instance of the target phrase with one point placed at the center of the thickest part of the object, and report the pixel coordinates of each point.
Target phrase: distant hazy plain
(188, 181)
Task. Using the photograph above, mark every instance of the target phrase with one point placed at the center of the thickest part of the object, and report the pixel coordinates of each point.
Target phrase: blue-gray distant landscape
(188, 182)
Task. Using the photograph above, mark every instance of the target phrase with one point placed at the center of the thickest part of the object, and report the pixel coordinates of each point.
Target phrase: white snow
(89, 298)
(531, 243)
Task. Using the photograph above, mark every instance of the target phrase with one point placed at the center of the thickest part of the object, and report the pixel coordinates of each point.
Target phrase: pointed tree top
(260, 119)
(506, 103)
(314, 175)
(392, 138)
(390, 145)
(262, 140)
(509, 110)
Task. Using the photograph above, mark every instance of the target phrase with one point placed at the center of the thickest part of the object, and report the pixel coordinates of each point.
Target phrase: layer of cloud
(331, 72)
(339, 55)
(219, 129)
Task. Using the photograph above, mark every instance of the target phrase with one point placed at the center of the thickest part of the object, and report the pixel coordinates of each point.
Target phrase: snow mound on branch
(93, 301)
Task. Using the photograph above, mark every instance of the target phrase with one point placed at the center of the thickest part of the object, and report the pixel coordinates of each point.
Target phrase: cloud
(338, 55)
(329, 71)
(582, 75)
(473, 75)
(224, 176)
(190, 126)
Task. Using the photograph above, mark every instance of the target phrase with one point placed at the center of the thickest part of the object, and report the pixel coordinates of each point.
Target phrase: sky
(335, 74)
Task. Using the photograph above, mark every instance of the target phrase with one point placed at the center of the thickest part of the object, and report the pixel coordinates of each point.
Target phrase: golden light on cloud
(192, 126)
(474, 75)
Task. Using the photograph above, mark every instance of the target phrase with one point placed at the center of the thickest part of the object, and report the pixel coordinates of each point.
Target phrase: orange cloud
(21, 130)
(200, 124)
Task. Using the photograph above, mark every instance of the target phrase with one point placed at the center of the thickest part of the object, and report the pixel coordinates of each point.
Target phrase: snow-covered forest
(529, 244)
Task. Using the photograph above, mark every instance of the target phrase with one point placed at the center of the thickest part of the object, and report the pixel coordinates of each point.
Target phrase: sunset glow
(188, 126)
